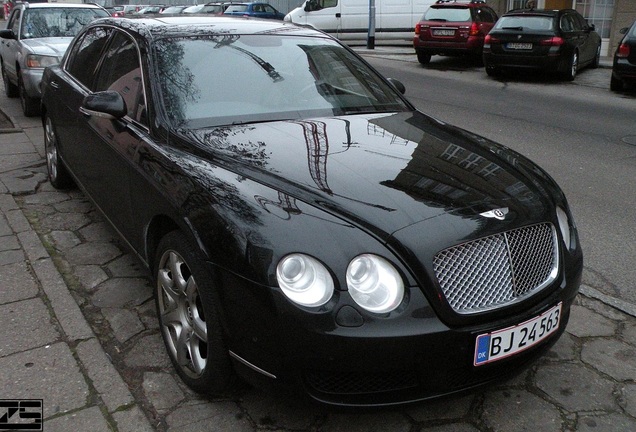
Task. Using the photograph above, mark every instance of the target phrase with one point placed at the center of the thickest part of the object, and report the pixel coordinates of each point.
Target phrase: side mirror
(623, 30)
(105, 104)
(397, 85)
(7, 34)
(592, 28)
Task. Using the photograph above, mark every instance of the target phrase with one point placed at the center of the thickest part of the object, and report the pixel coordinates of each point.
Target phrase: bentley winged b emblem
(499, 214)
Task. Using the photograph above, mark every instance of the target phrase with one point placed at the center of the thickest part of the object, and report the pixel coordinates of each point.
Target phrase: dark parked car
(453, 28)
(624, 67)
(550, 40)
(256, 10)
(312, 229)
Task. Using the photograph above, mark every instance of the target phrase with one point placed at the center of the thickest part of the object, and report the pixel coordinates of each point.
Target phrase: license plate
(443, 32)
(503, 343)
(519, 46)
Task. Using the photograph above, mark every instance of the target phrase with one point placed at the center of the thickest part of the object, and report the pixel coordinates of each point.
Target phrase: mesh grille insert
(498, 270)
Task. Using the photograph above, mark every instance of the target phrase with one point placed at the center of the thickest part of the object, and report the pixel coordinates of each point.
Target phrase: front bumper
(31, 79)
(406, 356)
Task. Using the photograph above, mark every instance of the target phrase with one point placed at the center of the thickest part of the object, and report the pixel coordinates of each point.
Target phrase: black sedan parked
(624, 67)
(308, 228)
(550, 40)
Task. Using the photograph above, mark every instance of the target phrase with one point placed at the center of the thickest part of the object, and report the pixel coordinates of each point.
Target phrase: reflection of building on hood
(315, 134)
(463, 174)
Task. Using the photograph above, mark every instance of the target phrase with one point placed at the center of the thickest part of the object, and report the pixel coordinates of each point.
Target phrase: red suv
(452, 27)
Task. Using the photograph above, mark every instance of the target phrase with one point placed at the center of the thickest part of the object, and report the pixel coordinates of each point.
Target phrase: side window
(121, 71)
(85, 54)
(268, 9)
(583, 24)
(484, 15)
(566, 23)
(313, 5)
(576, 24)
(14, 23)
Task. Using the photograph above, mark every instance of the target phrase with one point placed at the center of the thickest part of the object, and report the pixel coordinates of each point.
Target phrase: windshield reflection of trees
(340, 83)
(178, 81)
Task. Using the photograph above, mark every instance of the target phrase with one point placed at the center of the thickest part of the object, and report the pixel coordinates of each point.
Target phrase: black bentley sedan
(624, 66)
(558, 41)
(305, 226)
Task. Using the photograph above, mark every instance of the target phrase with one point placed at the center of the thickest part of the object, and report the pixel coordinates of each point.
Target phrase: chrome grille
(498, 270)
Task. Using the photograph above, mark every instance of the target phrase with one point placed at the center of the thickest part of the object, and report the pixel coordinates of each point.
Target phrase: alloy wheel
(181, 310)
(50, 147)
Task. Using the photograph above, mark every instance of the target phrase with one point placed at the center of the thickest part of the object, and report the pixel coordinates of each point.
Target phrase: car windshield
(212, 80)
(447, 14)
(57, 22)
(525, 23)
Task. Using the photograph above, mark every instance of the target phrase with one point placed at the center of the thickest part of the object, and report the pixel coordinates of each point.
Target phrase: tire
(572, 68)
(57, 172)
(30, 106)
(10, 89)
(616, 84)
(492, 71)
(423, 58)
(597, 60)
(189, 319)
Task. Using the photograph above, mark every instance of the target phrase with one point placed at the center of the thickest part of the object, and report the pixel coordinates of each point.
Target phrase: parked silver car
(37, 35)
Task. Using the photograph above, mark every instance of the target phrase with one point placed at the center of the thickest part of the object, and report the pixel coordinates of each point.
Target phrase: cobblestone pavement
(78, 330)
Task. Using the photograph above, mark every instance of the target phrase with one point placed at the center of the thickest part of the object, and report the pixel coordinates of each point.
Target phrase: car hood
(53, 46)
(386, 173)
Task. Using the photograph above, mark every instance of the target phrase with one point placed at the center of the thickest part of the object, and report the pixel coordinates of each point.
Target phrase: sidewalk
(78, 332)
(48, 351)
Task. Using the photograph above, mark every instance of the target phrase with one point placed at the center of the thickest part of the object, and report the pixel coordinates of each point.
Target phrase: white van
(349, 19)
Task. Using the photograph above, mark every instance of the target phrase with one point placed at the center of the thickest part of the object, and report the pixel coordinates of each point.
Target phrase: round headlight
(374, 283)
(304, 280)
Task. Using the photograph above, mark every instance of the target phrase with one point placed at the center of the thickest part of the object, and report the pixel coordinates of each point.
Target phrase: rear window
(447, 14)
(525, 23)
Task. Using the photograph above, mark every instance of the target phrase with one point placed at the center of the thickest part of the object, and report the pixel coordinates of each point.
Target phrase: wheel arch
(159, 226)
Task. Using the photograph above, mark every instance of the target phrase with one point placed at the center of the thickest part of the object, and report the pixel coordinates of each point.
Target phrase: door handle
(338, 15)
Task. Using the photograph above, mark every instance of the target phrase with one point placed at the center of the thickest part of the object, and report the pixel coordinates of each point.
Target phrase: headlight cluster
(373, 283)
(41, 61)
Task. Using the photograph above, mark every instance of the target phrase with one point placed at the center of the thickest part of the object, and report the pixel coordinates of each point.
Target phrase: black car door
(65, 94)
(111, 144)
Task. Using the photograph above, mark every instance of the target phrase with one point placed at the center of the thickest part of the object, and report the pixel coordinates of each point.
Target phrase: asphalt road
(580, 132)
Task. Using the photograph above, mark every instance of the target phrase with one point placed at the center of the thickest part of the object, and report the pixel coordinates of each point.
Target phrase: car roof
(59, 5)
(459, 4)
(536, 12)
(226, 25)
